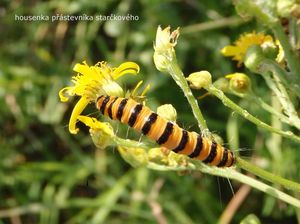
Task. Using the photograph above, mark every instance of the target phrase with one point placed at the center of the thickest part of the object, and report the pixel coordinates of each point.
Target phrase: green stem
(233, 174)
(219, 23)
(268, 108)
(283, 97)
(290, 185)
(292, 59)
(244, 113)
(130, 143)
(265, 188)
(180, 80)
(272, 66)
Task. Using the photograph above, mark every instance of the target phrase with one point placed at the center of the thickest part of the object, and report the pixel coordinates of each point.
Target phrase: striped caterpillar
(164, 132)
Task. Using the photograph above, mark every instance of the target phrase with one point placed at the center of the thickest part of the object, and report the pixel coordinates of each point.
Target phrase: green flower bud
(157, 156)
(167, 159)
(161, 62)
(136, 157)
(198, 80)
(239, 83)
(168, 112)
(100, 138)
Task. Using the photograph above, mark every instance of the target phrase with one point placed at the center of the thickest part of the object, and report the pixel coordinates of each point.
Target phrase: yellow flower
(92, 82)
(165, 42)
(240, 47)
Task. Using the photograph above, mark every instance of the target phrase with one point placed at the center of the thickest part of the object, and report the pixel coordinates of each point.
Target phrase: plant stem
(130, 143)
(272, 66)
(228, 173)
(290, 185)
(268, 108)
(235, 175)
(244, 113)
(219, 23)
(180, 80)
(283, 98)
(292, 59)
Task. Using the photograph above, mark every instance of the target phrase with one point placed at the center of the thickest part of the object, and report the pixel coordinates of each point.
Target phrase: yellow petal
(230, 50)
(61, 93)
(229, 76)
(82, 68)
(88, 121)
(124, 68)
(94, 124)
(102, 133)
(133, 93)
(146, 90)
(79, 107)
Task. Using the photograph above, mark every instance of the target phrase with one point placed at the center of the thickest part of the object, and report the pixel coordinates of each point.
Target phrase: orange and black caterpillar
(165, 133)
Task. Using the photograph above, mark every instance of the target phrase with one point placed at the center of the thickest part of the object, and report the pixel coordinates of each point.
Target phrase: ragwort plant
(95, 81)
(273, 58)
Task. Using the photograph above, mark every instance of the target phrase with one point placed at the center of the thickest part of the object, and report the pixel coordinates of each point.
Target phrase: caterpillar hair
(164, 132)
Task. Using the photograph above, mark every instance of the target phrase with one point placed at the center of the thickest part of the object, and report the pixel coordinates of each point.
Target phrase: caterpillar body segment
(164, 132)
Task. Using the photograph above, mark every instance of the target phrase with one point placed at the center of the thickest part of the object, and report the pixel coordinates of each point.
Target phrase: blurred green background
(48, 175)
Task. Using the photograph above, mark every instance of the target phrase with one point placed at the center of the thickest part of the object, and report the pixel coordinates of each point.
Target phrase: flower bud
(168, 112)
(102, 133)
(200, 79)
(161, 62)
(239, 83)
(156, 155)
(136, 157)
(165, 42)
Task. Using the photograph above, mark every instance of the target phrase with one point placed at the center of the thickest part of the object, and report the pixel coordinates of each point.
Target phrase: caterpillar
(164, 132)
